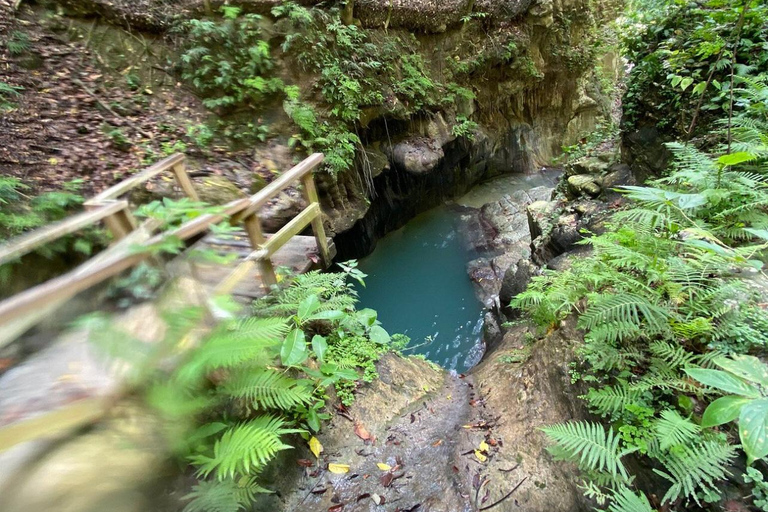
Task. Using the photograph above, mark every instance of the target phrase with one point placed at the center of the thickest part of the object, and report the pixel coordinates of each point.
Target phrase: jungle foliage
(231, 63)
(257, 382)
(669, 298)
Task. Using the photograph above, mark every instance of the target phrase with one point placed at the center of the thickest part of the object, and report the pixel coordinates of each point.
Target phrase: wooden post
(120, 224)
(180, 171)
(310, 194)
(266, 270)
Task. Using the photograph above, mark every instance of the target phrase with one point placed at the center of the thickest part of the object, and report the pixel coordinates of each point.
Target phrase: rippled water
(418, 281)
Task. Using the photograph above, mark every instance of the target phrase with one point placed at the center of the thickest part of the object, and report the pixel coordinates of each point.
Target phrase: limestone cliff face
(529, 63)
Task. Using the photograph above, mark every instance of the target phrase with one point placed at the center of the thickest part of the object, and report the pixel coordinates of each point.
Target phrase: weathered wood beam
(24, 244)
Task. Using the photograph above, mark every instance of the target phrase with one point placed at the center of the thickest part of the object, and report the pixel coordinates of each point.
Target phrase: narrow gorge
(547, 222)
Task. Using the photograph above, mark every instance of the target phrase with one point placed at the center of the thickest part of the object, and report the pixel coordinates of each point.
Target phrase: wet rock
(371, 162)
(217, 190)
(418, 155)
(415, 413)
(584, 184)
(515, 281)
(119, 466)
(526, 395)
(503, 8)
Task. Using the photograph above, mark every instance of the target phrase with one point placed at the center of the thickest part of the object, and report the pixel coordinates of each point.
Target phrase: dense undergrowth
(256, 383)
(672, 297)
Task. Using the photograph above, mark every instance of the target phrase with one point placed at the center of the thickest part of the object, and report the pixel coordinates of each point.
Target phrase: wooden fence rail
(21, 311)
(106, 207)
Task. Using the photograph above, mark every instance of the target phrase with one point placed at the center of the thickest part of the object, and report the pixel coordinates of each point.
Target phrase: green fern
(673, 430)
(696, 468)
(612, 399)
(245, 448)
(622, 316)
(226, 495)
(590, 445)
(268, 389)
(625, 500)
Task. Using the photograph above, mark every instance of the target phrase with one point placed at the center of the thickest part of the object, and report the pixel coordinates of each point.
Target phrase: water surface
(418, 283)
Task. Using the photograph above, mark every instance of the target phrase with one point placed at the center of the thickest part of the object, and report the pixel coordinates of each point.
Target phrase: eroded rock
(528, 386)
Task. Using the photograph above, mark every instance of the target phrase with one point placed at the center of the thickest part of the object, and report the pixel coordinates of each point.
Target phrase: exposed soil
(77, 117)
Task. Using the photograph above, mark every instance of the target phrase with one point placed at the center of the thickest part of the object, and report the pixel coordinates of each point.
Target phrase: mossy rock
(218, 190)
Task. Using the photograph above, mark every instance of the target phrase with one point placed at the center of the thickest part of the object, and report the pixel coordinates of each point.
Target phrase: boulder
(515, 281)
(417, 155)
(540, 215)
(584, 184)
(280, 210)
(217, 190)
(588, 165)
(526, 387)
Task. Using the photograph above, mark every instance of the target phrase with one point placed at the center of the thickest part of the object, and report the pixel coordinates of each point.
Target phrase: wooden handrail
(80, 279)
(25, 308)
(293, 228)
(24, 244)
(286, 179)
(137, 179)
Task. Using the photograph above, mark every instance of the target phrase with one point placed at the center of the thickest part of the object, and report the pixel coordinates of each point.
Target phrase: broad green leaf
(699, 89)
(319, 346)
(676, 80)
(759, 233)
(723, 381)
(367, 317)
(332, 314)
(736, 158)
(745, 367)
(753, 429)
(294, 350)
(686, 82)
(308, 306)
(313, 420)
(379, 335)
(723, 410)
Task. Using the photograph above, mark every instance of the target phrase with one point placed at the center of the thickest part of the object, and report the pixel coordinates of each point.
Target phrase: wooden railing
(37, 301)
(26, 308)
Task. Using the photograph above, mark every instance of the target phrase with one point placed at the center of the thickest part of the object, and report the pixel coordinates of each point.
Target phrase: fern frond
(696, 468)
(589, 445)
(245, 448)
(624, 311)
(223, 496)
(612, 399)
(672, 430)
(251, 340)
(674, 355)
(268, 389)
(626, 500)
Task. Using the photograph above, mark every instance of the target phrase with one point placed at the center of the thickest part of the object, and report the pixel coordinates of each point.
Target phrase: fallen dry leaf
(315, 447)
(362, 432)
(338, 468)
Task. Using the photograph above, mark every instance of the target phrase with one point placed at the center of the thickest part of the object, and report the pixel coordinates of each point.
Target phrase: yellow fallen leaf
(384, 467)
(483, 447)
(480, 456)
(338, 468)
(53, 161)
(315, 447)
